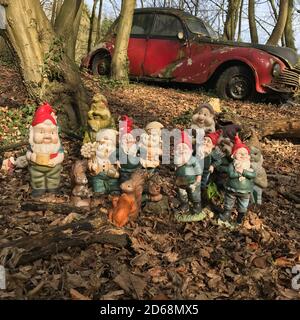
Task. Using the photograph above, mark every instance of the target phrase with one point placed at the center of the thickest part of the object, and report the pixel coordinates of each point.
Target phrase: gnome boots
(240, 218)
(197, 208)
(184, 207)
(225, 216)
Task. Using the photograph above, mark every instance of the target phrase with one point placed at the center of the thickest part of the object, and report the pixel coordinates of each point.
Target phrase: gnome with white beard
(240, 182)
(102, 162)
(128, 150)
(45, 155)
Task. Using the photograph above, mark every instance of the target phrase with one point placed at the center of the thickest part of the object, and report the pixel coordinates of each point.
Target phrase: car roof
(176, 12)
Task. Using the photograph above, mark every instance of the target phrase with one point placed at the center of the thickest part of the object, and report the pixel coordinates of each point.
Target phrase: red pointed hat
(238, 144)
(214, 136)
(127, 126)
(42, 114)
(185, 138)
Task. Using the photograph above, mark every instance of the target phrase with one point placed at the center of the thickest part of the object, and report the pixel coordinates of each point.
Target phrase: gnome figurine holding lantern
(188, 180)
(45, 155)
(240, 182)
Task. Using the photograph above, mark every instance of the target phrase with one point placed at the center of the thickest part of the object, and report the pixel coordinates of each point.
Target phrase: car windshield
(198, 26)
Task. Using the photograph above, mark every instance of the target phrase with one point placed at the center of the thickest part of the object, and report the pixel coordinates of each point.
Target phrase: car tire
(236, 83)
(101, 64)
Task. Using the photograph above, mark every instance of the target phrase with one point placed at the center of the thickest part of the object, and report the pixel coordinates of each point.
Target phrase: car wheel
(101, 64)
(236, 83)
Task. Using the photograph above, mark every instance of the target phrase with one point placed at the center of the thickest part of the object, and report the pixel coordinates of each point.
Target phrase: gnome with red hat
(188, 179)
(45, 154)
(240, 182)
(128, 159)
(206, 150)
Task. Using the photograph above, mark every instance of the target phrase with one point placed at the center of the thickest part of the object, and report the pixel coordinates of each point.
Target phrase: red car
(171, 45)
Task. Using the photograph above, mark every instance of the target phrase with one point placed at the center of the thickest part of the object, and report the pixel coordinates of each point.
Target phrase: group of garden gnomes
(119, 164)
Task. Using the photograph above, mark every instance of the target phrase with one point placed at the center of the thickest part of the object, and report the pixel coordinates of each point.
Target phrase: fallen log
(61, 208)
(283, 128)
(54, 240)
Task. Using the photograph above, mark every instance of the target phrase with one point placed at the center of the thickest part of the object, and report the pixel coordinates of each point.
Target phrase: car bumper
(287, 82)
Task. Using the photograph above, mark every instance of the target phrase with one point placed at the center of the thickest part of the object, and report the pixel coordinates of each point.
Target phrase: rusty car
(171, 45)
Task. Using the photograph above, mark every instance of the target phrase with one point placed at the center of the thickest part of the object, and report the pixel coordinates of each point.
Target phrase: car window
(166, 26)
(141, 24)
(197, 26)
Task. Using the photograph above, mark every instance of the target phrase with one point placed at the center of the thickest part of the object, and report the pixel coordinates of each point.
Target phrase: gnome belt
(109, 169)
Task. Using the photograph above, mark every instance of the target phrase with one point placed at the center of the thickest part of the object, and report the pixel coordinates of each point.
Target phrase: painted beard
(130, 149)
(245, 164)
(45, 147)
(181, 159)
(105, 150)
(207, 150)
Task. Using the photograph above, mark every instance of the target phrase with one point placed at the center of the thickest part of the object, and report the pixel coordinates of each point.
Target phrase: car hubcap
(102, 67)
(238, 87)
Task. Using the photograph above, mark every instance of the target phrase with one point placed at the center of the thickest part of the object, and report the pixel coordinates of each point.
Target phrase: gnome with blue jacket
(240, 182)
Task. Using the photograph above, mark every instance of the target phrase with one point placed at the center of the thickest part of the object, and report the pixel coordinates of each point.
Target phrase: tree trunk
(98, 33)
(231, 19)
(47, 72)
(54, 11)
(119, 64)
(92, 22)
(280, 25)
(54, 240)
(288, 31)
(252, 23)
(71, 11)
(240, 21)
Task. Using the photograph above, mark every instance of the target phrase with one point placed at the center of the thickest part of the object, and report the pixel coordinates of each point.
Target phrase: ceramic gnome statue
(188, 180)
(210, 162)
(151, 146)
(45, 155)
(128, 150)
(102, 162)
(203, 118)
(99, 117)
(240, 182)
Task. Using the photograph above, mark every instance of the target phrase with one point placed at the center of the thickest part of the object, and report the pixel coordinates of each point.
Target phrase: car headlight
(276, 70)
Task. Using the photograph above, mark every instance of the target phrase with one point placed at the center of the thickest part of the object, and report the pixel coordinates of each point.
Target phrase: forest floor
(166, 259)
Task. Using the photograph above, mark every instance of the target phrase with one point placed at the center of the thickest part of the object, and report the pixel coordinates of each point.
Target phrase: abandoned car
(171, 45)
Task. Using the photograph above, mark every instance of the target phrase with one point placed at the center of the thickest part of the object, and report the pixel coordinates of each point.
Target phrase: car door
(141, 26)
(166, 55)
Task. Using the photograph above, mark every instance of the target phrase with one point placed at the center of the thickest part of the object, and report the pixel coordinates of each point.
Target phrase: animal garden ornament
(45, 154)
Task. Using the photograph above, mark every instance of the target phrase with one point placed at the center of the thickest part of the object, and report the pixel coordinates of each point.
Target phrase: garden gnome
(128, 158)
(151, 146)
(102, 162)
(45, 155)
(240, 182)
(261, 179)
(188, 177)
(203, 118)
(99, 117)
(209, 144)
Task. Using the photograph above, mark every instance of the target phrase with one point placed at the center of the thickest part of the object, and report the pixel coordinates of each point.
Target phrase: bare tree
(98, 32)
(288, 31)
(119, 65)
(231, 19)
(280, 25)
(47, 71)
(252, 22)
(92, 23)
(67, 24)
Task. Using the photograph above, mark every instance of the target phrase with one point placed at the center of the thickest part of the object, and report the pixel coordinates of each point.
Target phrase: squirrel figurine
(127, 206)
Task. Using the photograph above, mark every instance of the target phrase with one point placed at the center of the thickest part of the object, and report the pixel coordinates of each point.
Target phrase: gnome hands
(211, 169)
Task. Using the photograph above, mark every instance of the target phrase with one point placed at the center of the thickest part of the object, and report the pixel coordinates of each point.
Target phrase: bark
(120, 60)
(98, 33)
(231, 19)
(48, 74)
(71, 10)
(54, 12)
(252, 22)
(280, 25)
(54, 240)
(288, 31)
(92, 23)
(240, 21)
